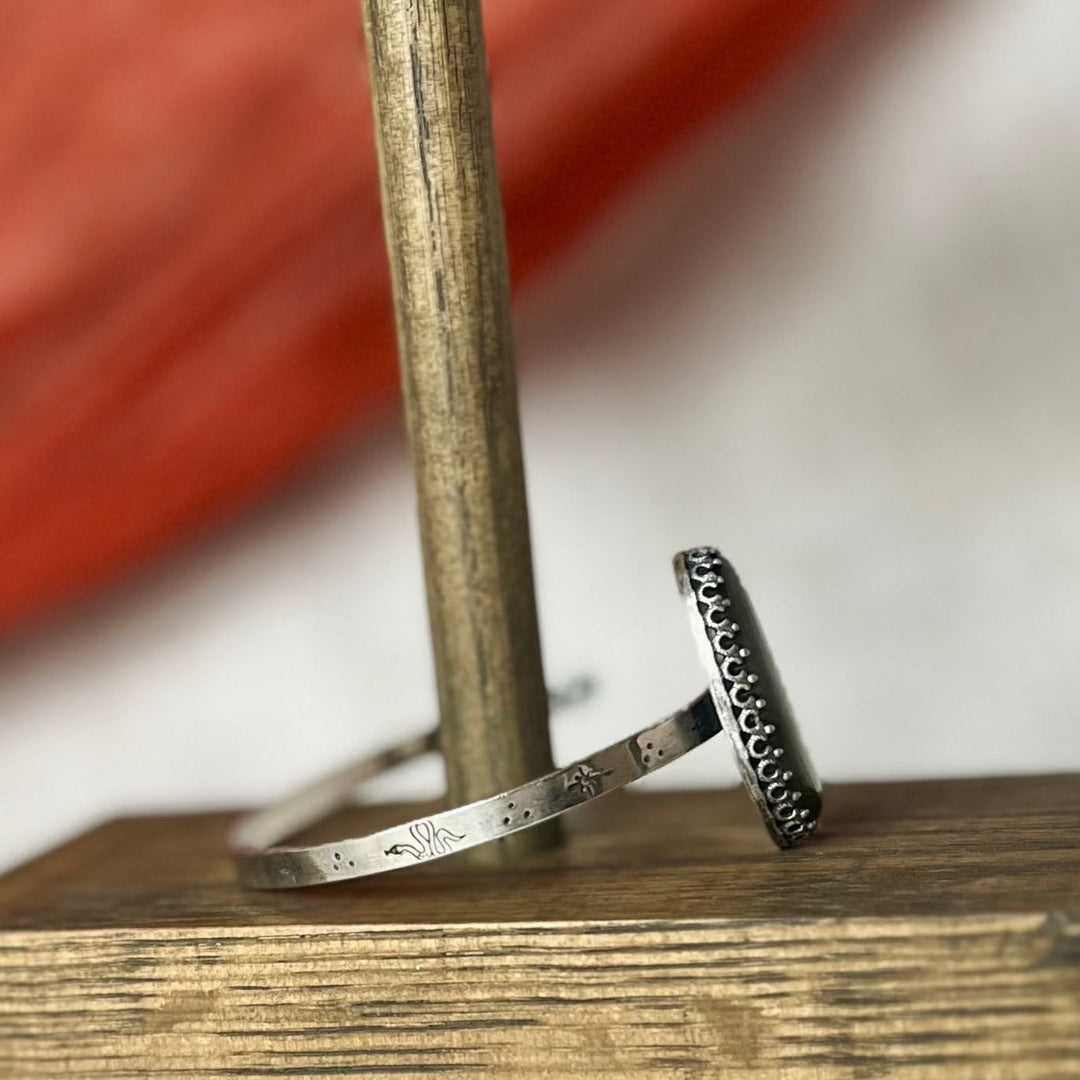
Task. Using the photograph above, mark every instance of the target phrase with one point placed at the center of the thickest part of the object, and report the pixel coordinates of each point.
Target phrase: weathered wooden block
(931, 930)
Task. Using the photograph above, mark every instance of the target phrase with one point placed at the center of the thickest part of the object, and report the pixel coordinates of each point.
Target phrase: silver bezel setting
(748, 696)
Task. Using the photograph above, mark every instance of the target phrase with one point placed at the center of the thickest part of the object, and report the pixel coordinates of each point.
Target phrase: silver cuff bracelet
(744, 698)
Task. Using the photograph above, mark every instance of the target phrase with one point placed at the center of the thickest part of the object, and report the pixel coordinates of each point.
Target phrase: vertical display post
(447, 247)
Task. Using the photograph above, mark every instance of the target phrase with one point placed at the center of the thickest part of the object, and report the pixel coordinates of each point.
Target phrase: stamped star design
(586, 780)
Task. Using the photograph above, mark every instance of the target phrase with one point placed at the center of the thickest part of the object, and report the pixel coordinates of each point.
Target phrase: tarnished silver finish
(749, 697)
(745, 698)
(263, 862)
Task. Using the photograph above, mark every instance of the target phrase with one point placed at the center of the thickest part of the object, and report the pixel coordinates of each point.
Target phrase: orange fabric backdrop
(193, 293)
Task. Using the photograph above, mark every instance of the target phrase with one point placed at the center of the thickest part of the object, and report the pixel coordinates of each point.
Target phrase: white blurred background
(838, 340)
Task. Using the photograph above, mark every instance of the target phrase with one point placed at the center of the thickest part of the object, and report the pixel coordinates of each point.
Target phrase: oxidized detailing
(430, 842)
(264, 861)
(586, 780)
(743, 678)
(744, 697)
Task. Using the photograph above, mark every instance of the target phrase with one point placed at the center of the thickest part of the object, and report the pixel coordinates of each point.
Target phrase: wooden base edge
(932, 931)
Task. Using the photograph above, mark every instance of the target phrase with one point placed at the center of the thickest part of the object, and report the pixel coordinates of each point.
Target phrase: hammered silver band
(264, 862)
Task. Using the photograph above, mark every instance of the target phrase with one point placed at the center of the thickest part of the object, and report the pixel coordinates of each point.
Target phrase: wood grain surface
(447, 246)
(931, 930)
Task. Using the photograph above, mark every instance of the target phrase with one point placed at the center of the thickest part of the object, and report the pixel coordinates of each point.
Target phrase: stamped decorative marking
(704, 725)
(430, 841)
(340, 863)
(586, 780)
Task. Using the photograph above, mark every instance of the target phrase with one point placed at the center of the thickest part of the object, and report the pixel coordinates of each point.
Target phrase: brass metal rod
(447, 246)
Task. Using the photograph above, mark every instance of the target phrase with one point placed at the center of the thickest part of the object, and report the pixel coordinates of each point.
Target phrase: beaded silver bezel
(749, 698)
